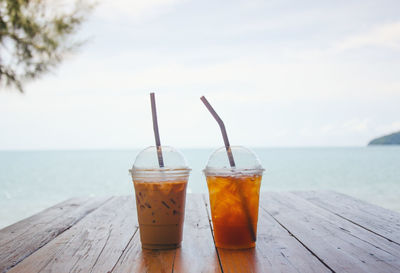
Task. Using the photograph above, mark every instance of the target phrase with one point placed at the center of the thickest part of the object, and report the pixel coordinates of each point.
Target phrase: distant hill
(392, 139)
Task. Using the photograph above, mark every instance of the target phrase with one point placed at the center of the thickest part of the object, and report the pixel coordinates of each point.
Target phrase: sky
(279, 73)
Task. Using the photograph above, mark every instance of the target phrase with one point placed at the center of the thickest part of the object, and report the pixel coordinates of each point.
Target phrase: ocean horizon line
(190, 148)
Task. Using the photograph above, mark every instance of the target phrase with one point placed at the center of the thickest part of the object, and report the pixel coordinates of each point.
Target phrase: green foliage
(392, 139)
(35, 35)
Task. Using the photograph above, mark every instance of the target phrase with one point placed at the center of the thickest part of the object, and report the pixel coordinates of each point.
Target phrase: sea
(31, 181)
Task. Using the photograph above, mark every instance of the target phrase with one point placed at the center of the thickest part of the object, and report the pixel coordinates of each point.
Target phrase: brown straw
(155, 128)
(231, 161)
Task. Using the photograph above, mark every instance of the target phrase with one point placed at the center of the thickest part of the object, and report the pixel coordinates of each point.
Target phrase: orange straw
(231, 161)
(155, 128)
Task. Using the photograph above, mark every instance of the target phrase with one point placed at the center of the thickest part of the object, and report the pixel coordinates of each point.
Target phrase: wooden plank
(21, 239)
(136, 259)
(92, 245)
(340, 244)
(381, 221)
(198, 252)
(276, 251)
(42, 218)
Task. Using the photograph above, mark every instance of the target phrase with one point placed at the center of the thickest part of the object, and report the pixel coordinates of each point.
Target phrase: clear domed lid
(148, 159)
(245, 162)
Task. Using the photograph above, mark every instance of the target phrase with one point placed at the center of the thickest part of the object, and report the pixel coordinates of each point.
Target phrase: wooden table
(297, 232)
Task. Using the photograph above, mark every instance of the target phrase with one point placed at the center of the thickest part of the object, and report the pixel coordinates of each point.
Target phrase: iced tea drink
(161, 211)
(234, 209)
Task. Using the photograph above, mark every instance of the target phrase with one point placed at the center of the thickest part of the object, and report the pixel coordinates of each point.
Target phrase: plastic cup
(160, 197)
(234, 197)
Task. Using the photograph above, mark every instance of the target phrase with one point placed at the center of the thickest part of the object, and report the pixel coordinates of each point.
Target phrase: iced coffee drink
(161, 211)
(160, 198)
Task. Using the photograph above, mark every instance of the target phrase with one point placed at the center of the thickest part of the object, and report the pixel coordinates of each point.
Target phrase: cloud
(248, 79)
(343, 128)
(389, 128)
(136, 9)
(356, 125)
(278, 76)
(386, 35)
